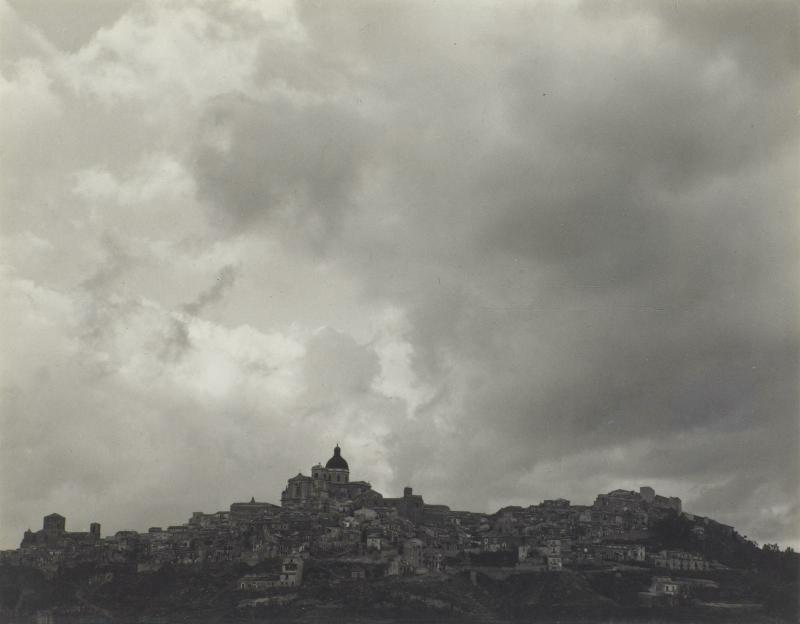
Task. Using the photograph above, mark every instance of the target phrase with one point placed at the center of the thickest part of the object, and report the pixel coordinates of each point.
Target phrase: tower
(647, 493)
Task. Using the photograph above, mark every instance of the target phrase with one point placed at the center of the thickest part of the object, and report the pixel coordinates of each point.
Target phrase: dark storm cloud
(606, 257)
(294, 164)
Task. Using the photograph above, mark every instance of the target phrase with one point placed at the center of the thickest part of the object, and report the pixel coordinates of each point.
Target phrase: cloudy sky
(500, 252)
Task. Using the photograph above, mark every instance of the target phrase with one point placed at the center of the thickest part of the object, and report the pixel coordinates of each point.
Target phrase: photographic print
(399, 311)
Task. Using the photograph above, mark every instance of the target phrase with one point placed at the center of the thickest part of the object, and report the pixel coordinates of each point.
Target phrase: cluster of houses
(359, 534)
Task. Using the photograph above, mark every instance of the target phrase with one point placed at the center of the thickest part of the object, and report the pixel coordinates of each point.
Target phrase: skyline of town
(267, 500)
(328, 493)
(362, 493)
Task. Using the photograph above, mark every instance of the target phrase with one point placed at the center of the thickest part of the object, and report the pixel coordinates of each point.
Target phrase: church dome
(337, 461)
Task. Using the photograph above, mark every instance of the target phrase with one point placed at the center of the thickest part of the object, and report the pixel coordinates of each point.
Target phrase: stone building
(326, 484)
(413, 553)
(290, 575)
(54, 524)
(54, 532)
(679, 560)
(410, 506)
(633, 509)
(663, 592)
(247, 512)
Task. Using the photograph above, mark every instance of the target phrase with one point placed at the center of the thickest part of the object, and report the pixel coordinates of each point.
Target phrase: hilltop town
(632, 550)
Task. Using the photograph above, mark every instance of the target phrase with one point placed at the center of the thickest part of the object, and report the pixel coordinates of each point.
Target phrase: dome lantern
(337, 462)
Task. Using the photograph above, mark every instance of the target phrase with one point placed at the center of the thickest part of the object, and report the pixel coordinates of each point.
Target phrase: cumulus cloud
(499, 255)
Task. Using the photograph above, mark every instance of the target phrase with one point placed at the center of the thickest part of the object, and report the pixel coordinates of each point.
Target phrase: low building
(290, 575)
(554, 562)
(679, 560)
(258, 582)
(247, 512)
(663, 592)
(622, 552)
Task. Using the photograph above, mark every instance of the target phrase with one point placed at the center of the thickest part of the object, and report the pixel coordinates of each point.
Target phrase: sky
(500, 252)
